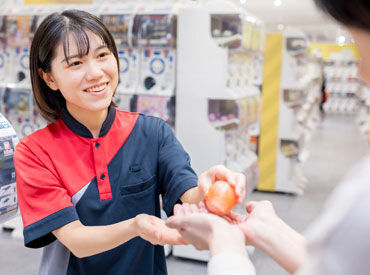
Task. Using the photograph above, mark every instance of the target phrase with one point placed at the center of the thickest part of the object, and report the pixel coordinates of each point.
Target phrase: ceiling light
(243, 1)
(277, 3)
(340, 40)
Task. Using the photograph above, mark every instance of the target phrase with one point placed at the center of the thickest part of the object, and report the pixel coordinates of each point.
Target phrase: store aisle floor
(335, 146)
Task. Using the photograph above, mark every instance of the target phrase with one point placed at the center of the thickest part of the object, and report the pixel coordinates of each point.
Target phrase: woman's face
(87, 83)
(362, 41)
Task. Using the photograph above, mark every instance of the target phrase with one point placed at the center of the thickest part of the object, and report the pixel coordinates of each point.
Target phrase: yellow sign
(327, 49)
(56, 2)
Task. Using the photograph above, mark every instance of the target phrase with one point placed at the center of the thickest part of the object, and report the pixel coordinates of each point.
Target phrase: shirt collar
(81, 130)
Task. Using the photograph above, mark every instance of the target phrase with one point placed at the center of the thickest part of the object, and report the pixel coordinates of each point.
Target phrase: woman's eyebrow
(70, 57)
(100, 47)
(77, 55)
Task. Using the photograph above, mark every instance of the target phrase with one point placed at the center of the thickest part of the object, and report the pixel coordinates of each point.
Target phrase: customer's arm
(265, 230)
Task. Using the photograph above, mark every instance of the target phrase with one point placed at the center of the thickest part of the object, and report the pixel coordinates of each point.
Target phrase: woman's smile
(98, 88)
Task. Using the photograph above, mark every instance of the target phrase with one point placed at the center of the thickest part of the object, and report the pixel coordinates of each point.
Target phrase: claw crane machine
(154, 36)
(119, 21)
(213, 114)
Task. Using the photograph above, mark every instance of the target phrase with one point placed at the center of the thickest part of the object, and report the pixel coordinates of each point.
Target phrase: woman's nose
(93, 71)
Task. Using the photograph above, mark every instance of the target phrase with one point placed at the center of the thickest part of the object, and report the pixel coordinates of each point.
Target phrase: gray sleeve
(345, 250)
(230, 263)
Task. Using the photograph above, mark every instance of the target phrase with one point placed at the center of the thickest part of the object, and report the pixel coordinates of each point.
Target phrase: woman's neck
(93, 120)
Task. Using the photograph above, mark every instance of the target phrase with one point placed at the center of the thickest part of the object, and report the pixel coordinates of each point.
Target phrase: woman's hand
(154, 230)
(220, 172)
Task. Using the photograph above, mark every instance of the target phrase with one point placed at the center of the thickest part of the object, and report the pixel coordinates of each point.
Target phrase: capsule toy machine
(19, 35)
(6, 62)
(8, 194)
(17, 99)
(17, 32)
(18, 107)
(21, 28)
(154, 35)
(119, 21)
(229, 32)
(231, 111)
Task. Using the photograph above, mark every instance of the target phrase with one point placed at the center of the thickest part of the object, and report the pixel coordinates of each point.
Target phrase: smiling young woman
(89, 183)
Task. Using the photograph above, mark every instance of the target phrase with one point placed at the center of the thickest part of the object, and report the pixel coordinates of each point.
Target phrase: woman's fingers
(154, 230)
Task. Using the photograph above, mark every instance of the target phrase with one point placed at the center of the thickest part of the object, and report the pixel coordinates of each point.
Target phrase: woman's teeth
(97, 88)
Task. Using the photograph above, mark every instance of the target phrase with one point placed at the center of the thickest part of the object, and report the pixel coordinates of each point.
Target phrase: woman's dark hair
(355, 13)
(54, 29)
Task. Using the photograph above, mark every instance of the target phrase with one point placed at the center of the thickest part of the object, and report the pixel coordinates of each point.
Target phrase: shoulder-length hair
(54, 29)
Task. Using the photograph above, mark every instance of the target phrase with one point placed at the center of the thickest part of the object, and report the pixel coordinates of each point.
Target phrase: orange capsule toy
(220, 198)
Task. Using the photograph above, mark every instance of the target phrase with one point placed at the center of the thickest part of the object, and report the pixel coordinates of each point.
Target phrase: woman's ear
(49, 80)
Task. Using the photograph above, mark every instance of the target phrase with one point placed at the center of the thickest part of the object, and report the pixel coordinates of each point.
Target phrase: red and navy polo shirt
(64, 174)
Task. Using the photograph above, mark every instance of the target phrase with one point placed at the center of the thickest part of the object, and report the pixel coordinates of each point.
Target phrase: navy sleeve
(175, 174)
(39, 233)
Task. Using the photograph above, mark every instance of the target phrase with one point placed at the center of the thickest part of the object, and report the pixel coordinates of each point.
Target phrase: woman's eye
(101, 55)
(74, 64)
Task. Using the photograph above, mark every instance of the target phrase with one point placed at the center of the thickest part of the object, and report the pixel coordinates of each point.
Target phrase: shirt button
(97, 145)
(102, 176)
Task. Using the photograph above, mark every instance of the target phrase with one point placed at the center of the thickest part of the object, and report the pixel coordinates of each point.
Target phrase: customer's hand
(261, 218)
(206, 231)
